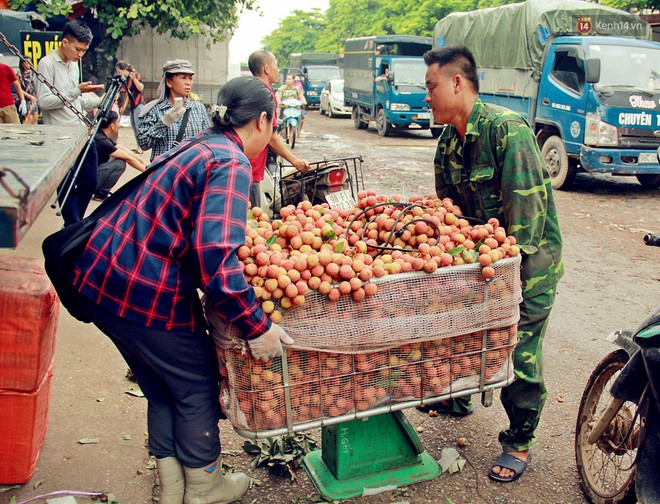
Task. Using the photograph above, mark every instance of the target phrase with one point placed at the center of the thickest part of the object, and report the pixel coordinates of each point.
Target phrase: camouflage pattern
(499, 172)
(523, 400)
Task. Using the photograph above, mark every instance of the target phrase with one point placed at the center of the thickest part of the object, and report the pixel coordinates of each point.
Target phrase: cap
(178, 66)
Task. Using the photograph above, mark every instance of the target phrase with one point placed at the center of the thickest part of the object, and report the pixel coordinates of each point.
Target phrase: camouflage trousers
(523, 400)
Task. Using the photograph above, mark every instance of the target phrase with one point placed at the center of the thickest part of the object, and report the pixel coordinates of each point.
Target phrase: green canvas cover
(11, 24)
(513, 36)
(302, 59)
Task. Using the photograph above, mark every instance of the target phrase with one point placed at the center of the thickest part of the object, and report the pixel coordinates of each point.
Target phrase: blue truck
(384, 81)
(585, 76)
(314, 69)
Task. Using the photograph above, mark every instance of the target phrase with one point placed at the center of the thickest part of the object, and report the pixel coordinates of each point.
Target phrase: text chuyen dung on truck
(396, 101)
(315, 69)
(585, 76)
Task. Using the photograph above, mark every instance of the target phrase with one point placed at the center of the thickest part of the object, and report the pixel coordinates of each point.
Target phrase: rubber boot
(172, 482)
(207, 485)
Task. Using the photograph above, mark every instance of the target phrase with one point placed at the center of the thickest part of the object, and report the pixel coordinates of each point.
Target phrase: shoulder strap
(182, 128)
(115, 199)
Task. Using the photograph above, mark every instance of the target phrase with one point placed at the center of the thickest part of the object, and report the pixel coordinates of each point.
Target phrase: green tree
(298, 32)
(361, 18)
(125, 18)
(632, 5)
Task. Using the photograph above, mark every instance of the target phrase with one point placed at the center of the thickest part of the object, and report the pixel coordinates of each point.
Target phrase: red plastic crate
(29, 310)
(23, 423)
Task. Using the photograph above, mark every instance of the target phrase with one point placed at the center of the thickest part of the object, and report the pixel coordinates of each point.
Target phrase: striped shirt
(154, 134)
(179, 233)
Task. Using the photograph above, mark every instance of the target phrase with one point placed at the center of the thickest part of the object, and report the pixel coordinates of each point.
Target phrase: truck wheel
(357, 121)
(384, 128)
(649, 181)
(562, 173)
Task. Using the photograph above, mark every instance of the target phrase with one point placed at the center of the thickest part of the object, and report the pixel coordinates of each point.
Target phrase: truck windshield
(323, 74)
(409, 72)
(627, 66)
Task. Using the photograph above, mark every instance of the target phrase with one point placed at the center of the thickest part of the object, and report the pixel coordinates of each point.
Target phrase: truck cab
(384, 81)
(314, 77)
(598, 108)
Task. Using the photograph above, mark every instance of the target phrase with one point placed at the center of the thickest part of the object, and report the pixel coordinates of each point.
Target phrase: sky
(252, 27)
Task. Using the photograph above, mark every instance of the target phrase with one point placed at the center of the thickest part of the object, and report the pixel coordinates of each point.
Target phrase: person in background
(29, 90)
(113, 158)
(298, 83)
(60, 68)
(8, 112)
(162, 119)
(140, 275)
(489, 163)
(290, 90)
(135, 96)
(384, 76)
(263, 66)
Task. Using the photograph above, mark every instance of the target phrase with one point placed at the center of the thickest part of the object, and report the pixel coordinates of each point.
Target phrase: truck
(315, 69)
(395, 101)
(585, 76)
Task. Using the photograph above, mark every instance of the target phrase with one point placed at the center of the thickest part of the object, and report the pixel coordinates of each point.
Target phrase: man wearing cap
(172, 115)
(263, 66)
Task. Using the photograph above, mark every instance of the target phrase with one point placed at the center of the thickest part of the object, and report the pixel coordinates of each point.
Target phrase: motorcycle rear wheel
(606, 468)
(294, 135)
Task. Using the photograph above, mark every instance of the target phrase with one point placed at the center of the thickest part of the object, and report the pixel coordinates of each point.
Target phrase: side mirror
(592, 70)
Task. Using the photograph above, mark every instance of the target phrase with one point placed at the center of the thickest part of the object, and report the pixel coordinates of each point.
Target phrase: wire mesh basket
(421, 338)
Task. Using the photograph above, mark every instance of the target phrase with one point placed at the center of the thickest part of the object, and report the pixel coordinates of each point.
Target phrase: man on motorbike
(290, 90)
(263, 66)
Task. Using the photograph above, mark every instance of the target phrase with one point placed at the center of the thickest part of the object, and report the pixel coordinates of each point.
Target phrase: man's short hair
(459, 56)
(77, 30)
(257, 61)
(111, 117)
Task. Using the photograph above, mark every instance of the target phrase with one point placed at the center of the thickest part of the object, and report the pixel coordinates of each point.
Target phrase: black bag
(63, 249)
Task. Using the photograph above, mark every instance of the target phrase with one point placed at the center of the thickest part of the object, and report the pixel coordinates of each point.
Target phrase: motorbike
(332, 181)
(617, 436)
(291, 121)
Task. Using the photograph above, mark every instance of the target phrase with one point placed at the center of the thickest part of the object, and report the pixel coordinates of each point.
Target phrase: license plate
(340, 200)
(424, 115)
(648, 158)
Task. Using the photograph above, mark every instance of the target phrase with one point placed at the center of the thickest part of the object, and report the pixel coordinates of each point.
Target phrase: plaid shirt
(178, 233)
(154, 134)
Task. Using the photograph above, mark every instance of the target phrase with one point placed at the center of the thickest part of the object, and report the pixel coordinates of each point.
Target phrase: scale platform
(368, 456)
(34, 158)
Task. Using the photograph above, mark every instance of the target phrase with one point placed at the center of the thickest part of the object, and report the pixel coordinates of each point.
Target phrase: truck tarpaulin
(513, 36)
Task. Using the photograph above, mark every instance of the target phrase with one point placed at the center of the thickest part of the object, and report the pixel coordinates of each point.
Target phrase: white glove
(173, 115)
(22, 108)
(269, 344)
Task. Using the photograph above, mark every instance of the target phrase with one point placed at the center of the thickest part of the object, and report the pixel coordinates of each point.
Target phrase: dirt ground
(612, 280)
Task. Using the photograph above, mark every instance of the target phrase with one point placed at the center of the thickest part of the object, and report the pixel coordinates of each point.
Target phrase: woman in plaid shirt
(141, 272)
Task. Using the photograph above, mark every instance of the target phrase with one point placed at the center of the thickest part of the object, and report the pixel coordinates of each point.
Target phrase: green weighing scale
(370, 455)
(376, 453)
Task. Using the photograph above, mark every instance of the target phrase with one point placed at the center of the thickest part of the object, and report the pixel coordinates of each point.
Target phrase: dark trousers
(109, 173)
(82, 187)
(178, 373)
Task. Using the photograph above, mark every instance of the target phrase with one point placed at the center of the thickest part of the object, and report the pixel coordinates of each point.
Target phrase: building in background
(149, 50)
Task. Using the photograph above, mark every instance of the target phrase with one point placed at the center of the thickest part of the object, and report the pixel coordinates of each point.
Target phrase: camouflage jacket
(499, 172)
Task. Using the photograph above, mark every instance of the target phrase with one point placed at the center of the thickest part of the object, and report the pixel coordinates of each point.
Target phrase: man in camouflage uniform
(489, 163)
